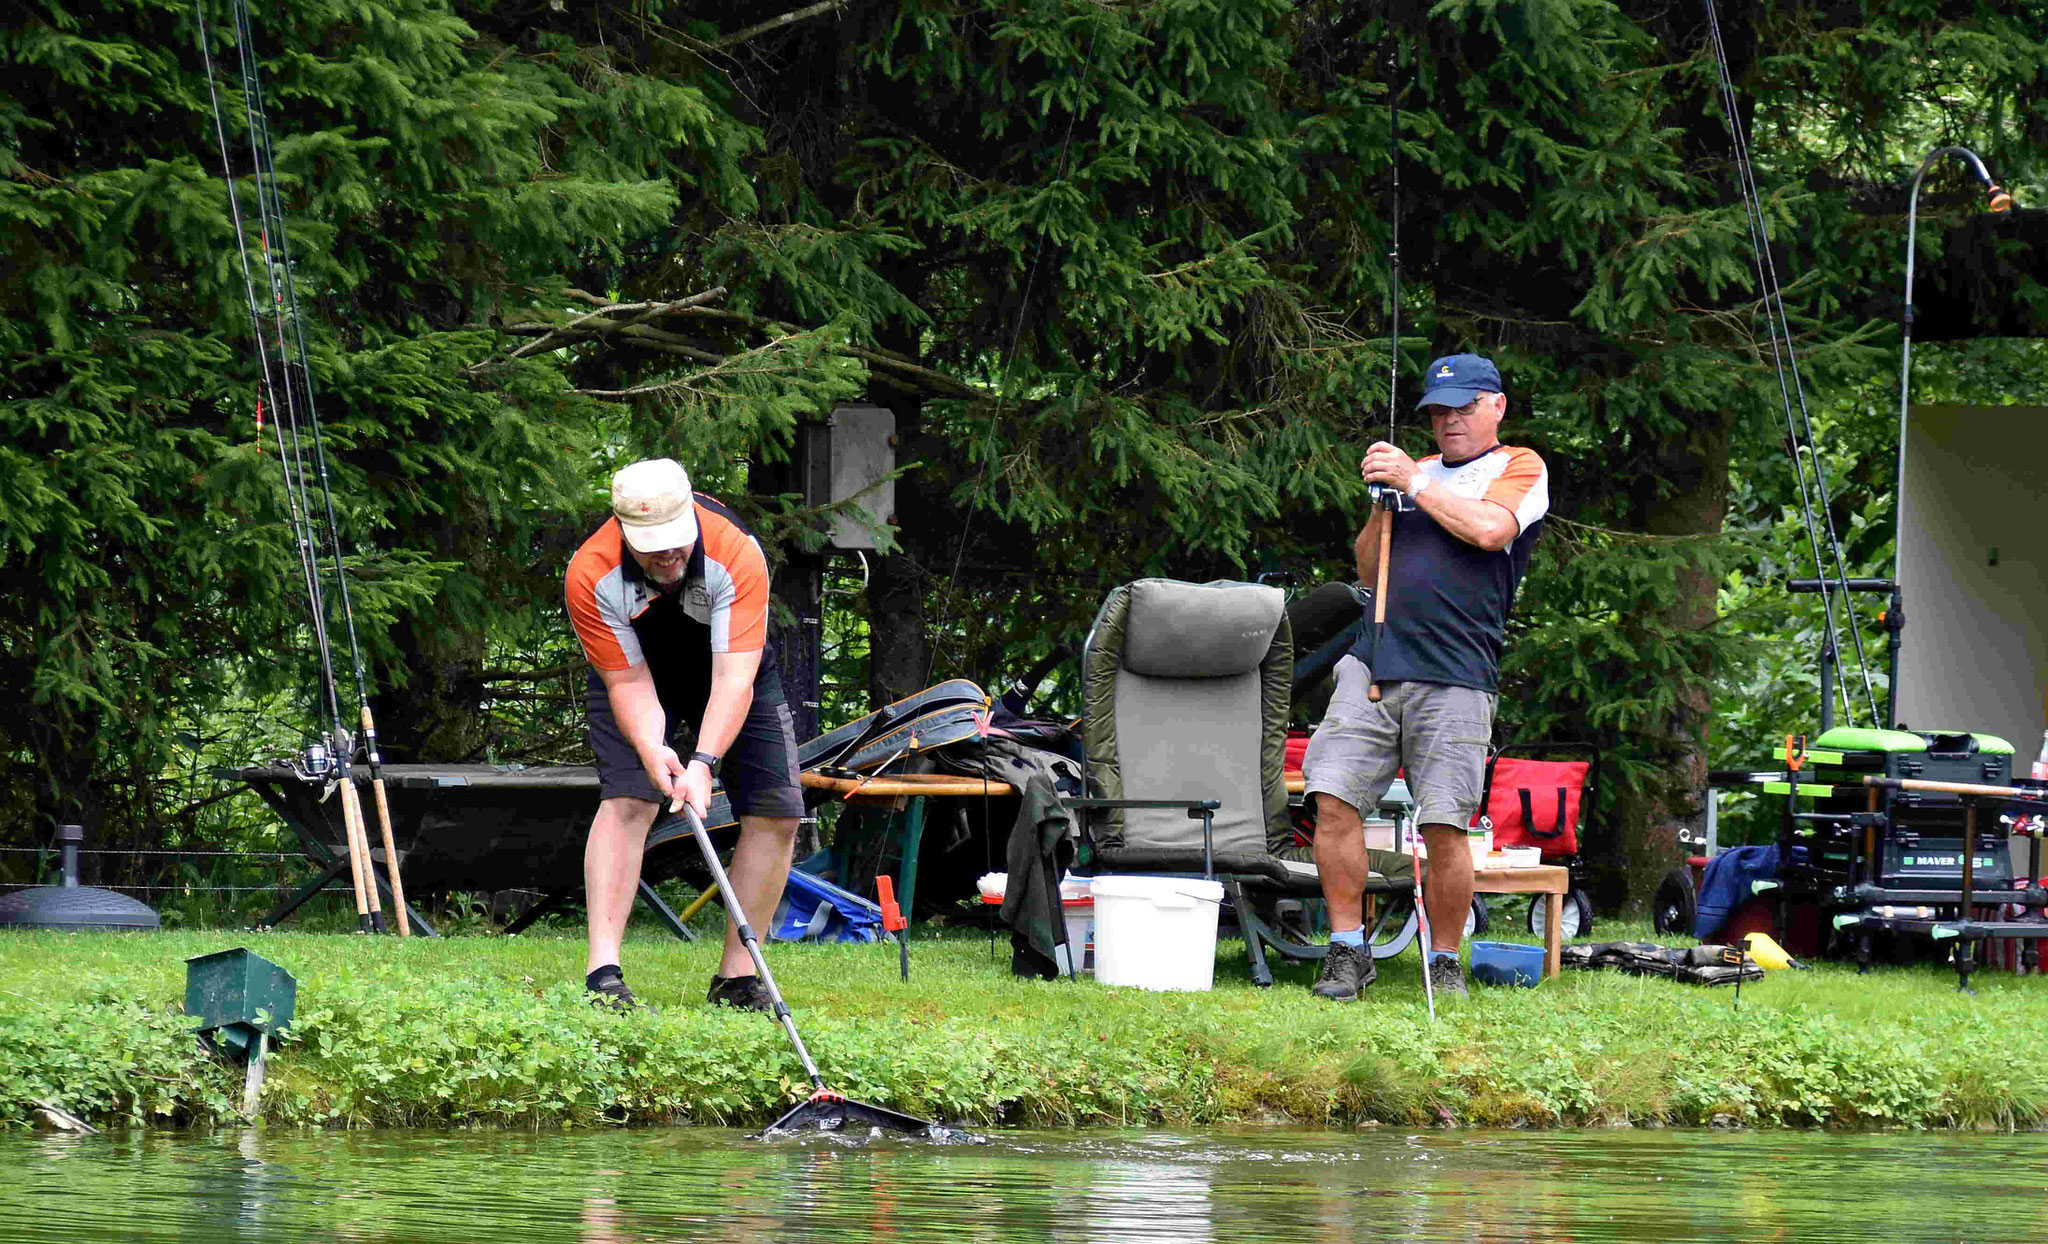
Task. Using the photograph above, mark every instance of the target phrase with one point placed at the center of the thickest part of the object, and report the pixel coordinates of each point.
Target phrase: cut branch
(726, 366)
(628, 321)
(776, 23)
(564, 335)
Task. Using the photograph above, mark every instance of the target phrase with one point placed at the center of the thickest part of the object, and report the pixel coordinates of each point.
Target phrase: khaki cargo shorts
(1439, 734)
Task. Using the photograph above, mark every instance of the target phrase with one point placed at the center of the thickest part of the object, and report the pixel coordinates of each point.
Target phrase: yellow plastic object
(1765, 950)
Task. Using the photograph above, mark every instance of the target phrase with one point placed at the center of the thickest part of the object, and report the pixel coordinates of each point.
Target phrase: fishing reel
(317, 762)
(1388, 497)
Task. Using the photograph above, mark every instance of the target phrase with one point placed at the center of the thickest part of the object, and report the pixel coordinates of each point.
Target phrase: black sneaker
(742, 993)
(1447, 976)
(607, 987)
(1346, 970)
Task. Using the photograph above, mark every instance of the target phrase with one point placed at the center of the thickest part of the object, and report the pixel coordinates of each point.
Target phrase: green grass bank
(494, 1032)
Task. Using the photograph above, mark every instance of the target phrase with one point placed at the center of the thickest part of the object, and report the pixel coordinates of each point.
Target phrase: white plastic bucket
(1156, 932)
(1080, 915)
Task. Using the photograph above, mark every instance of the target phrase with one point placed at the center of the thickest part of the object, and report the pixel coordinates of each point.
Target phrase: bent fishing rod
(285, 387)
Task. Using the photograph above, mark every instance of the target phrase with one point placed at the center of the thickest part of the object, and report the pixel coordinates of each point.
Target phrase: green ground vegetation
(485, 1032)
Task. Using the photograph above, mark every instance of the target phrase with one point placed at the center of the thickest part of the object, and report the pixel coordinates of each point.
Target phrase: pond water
(1292, 1186)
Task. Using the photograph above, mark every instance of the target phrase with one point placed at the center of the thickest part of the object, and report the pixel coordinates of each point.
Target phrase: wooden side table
(906, 793)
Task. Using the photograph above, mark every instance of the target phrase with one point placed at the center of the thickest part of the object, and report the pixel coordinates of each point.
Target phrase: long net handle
(738, 915)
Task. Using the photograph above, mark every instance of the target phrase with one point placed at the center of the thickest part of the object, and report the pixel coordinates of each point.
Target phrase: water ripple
(1114, 1187)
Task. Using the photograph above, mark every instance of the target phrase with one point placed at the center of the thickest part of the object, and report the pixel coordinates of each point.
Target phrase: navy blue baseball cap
(1456, 379)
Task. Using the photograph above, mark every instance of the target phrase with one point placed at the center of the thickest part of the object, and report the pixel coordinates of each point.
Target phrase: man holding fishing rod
(670, 601)
(1417, 692)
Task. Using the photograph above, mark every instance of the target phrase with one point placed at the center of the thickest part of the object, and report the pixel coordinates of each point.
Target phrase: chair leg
(664, 914)
(547, 902)
(1254, 935)
(1396, 926)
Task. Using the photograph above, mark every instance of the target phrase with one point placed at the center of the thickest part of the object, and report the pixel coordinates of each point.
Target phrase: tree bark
(899, 583)
(431, 710)
(1691, 465)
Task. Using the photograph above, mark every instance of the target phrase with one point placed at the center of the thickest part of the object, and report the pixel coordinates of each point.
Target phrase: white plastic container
(1077, 904)
(1156, 932)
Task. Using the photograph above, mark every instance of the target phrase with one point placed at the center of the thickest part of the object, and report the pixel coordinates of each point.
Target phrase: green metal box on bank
(237, 994)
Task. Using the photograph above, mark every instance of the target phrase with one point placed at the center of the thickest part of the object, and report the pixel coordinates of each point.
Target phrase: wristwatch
(711, 762)
(1417, 484)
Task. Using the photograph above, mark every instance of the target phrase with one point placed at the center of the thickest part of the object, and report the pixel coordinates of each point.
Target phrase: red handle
(892, 915)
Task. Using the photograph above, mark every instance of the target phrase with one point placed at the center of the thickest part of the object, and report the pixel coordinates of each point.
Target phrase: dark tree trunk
(1687, 495)
(432, 711)
(66, 790)
(899, 583)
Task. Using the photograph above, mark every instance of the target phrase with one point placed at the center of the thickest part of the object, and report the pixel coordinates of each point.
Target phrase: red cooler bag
(1535, 803)
(1297, 747)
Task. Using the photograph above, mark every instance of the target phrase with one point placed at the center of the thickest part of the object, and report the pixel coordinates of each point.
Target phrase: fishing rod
(1382, 495)
(1791, 392)
(286, 292)
(1997, 200)
(317, 761)
(285, 381)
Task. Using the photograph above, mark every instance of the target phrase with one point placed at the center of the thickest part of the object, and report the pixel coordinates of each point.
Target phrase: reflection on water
(1088, 1188)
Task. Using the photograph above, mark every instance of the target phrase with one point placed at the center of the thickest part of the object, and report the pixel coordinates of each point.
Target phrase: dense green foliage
(490, 1033)
(1121, 270)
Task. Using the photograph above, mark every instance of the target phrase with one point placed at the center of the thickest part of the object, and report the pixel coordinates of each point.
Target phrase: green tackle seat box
(236, 994)
(1921, 848)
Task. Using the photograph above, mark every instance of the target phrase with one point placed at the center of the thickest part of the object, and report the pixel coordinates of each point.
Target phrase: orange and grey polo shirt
(1448, 601)
(719, 605)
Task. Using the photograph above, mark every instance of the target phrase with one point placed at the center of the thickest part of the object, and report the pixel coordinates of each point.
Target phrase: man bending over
(670, 601)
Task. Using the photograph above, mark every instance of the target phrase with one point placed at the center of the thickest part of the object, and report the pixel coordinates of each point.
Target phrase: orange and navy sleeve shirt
(1448, 601)
(720, 605)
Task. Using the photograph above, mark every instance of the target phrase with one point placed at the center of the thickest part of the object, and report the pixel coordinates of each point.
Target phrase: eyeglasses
(1463, 412)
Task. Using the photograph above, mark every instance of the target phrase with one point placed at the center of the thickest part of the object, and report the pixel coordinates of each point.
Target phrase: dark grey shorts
(760, 769)
(1438, 734)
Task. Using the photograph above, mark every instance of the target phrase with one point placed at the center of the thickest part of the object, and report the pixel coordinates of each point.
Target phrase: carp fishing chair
(1185, 698)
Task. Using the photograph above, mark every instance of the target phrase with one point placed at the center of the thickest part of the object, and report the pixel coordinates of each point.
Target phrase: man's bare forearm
(637, 709)
(732, 696)
(1478, 522)
(1365, 550)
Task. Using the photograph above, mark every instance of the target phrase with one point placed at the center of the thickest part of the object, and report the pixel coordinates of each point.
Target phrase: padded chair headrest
(1199, 630)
